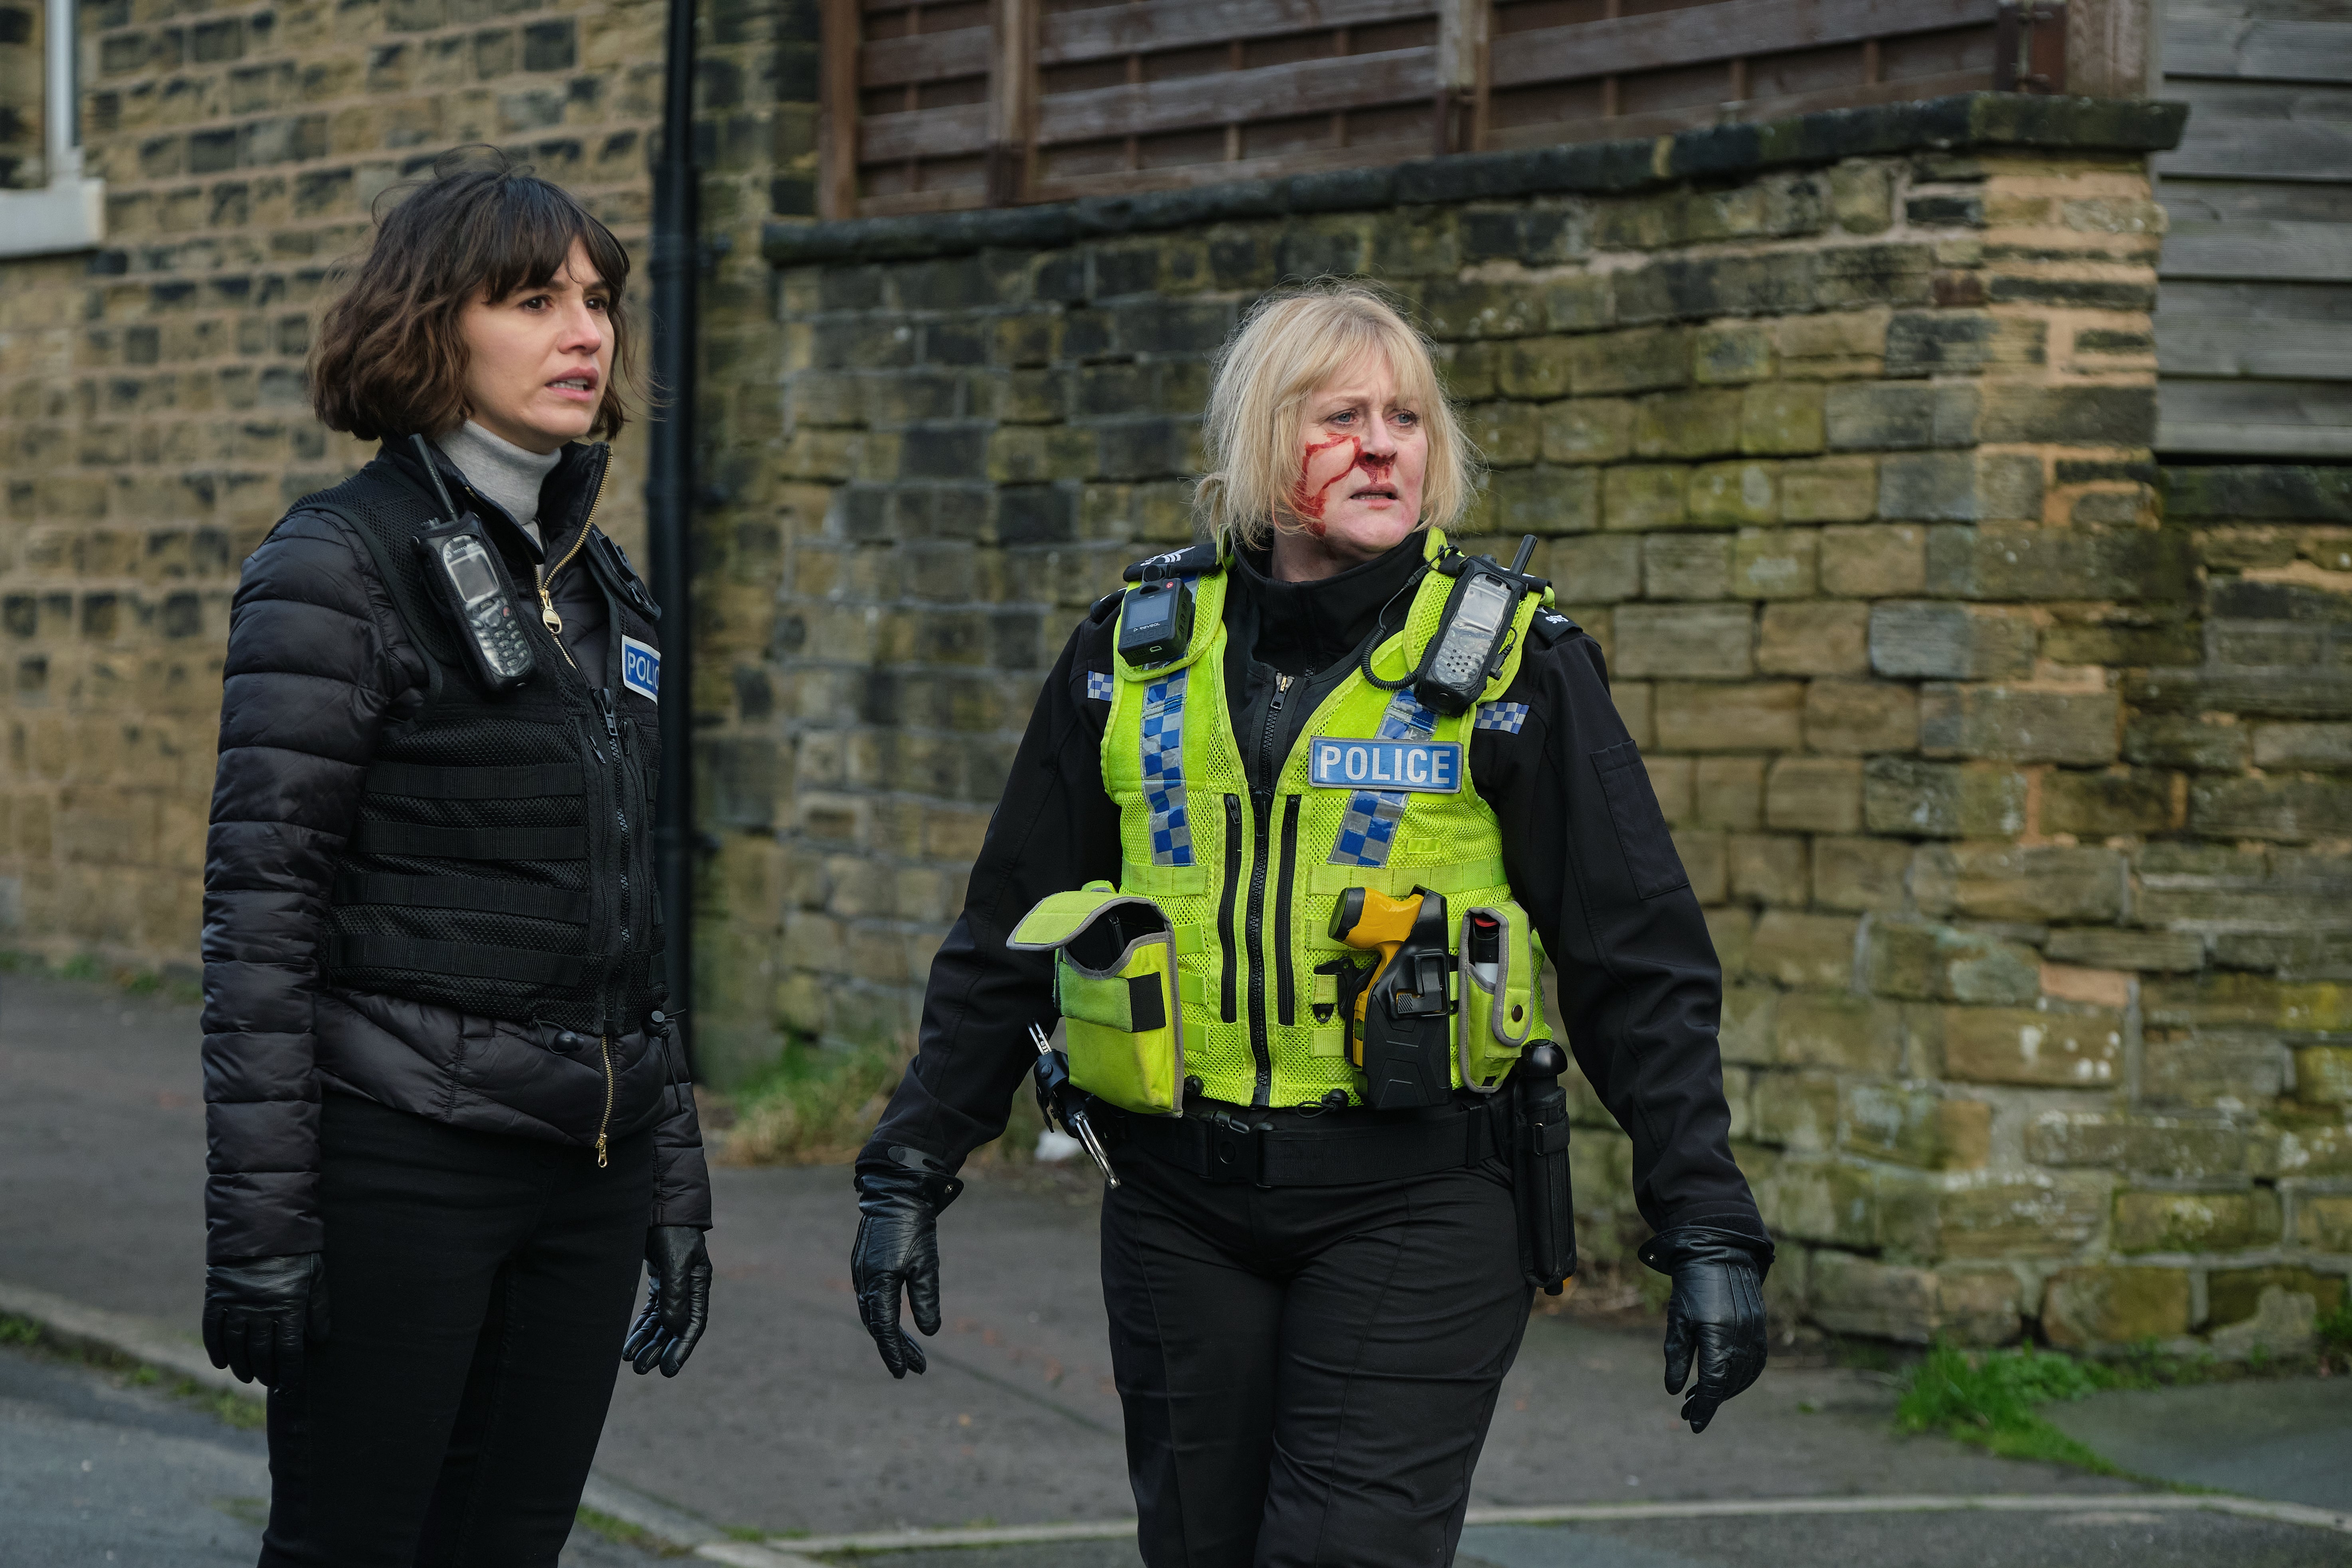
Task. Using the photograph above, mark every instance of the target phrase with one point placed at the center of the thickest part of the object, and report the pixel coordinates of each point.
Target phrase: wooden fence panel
(937, 104)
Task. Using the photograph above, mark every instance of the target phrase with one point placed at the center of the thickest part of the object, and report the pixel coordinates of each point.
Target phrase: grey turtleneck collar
(503, 473)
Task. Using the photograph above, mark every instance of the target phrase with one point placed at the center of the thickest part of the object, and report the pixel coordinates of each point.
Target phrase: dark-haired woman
(448, 1118)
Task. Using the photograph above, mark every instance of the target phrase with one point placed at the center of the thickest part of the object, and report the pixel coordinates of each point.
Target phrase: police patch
(641, 669)
(1426, 767)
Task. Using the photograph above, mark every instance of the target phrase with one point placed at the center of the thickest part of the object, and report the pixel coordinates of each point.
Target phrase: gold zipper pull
(553, 622)
(599, 1150)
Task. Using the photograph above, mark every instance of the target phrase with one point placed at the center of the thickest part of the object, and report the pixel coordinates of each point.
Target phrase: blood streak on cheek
(1309, 503)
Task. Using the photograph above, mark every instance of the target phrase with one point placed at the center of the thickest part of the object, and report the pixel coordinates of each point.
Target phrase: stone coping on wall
(1962, 120)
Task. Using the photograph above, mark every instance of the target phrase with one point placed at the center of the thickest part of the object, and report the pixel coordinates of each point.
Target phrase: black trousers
(1308, 1372)
(479, 1288)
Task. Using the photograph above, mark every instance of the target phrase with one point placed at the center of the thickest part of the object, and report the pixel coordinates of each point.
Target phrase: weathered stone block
(2018, 724)
(1746, 1031)
(1830, 490)
(1633, 498)
(2164, 740)
(1588, 430)
(1599, 567)
(2016, 1044)
(1793, 948)
(1939, 801)
(1762, 716)
(1873, 562)
(1945, 641)
(2096, 805)
(1959, 486)
(1853, 1295)
(2170, 1147)
(2250, 1002)
(1731, 353)
(2008, 1213)
(2234, 1295)
(2141, 950)
(1686, 640)
(1814, 795)
(2302, 746)
(1796, 1110)
(1685, 566)
(1769, 868)
(1939, 963)
(2090, 416)
(2323, 1075)
(2323, 1222)
(2284, 810)
(1860, 875)
(1916, 1126)
(1729, 928)
(1851, 718)
(2004, 882)
(1730, 494)
(1702, 856)
(1645, 360)
(2084, 1307)
(1900, 415)
(1773, 563)
(1781, 418)
(1728, 792)
(1818, 637)
(2196, 1222)
(2043, 563)
(1703, 422)
(1856, 1034)
(1811, 1199)
(1943, 343)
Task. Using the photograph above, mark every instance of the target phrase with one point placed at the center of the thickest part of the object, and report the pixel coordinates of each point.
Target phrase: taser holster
(1496, 988)
(1115, 982)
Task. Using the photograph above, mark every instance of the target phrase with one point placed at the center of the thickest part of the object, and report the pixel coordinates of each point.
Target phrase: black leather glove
(898, 1247)
(259, 1312)
(1716, 1310)
(677, 1300)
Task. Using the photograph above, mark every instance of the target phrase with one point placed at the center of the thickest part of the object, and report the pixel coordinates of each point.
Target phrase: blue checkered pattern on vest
(1098, 686)
(1369, 827)
(1505, 716)
(1163, 771)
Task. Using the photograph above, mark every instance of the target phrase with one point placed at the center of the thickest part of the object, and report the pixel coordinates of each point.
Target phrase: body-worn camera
(470, 583)
(1155, 626)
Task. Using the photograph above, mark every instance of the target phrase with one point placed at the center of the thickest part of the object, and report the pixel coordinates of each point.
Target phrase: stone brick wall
(152, 423)
(21, 97)
(2008, 794)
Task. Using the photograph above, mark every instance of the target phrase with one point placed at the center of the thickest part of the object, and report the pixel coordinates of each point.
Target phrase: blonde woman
(1297, 819)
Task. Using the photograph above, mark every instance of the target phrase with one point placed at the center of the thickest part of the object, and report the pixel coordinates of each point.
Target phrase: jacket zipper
(1261, 807)
(1225, 906)
(547, 616)
(1285, 982)
(621, 821)
(604, 1049)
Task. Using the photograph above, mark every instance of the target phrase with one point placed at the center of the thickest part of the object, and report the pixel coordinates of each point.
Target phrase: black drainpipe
(669, 501)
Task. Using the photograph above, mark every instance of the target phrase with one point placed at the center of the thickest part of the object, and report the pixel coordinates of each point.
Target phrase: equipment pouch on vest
(1499, 1007)
(1115, 980)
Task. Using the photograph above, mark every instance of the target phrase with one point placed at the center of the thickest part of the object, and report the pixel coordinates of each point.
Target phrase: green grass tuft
(2336, 1328)
(620, 1532)
(814, 1107)
(1991, 1401)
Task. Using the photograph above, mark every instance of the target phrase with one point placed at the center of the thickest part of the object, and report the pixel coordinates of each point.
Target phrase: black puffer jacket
(318, 664)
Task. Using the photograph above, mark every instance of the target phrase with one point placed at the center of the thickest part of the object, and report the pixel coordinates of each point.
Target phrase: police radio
(465, 575)
(1474, 635)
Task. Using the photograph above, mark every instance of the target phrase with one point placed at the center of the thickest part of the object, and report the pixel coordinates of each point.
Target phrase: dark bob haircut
(389, 360)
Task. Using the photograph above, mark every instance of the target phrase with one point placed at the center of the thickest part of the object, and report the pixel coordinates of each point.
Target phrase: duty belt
(1247, 1148)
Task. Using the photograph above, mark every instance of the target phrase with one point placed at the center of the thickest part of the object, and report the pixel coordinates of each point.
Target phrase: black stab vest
(503, 863)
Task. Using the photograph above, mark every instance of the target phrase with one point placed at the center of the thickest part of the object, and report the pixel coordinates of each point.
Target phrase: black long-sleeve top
(1640, 990)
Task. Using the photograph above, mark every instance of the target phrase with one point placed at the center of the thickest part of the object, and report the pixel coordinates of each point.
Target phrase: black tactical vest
(503, 863)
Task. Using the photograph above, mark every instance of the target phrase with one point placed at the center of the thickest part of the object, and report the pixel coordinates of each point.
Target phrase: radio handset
(467, 578)
(1474, 634)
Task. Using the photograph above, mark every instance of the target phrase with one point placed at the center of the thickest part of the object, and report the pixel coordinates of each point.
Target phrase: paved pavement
(786, 1422)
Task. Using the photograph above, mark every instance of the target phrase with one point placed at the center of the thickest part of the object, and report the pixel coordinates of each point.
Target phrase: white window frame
(69, 213)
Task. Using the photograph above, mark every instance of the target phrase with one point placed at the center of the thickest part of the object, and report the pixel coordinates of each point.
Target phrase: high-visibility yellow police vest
(1210, 961)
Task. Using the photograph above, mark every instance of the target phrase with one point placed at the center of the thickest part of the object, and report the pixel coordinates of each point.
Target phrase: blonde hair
(1291, 342)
